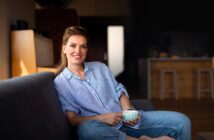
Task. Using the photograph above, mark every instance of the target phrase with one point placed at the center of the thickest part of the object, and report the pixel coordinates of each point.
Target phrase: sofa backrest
(29, 109)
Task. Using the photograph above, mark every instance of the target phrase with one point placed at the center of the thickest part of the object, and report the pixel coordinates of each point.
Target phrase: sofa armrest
(143, 104)
(30, 109)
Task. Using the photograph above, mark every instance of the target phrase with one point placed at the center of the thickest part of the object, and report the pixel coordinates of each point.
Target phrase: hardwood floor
(201, 112)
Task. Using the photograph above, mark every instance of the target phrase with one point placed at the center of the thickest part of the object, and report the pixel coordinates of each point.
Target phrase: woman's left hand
(132, 123)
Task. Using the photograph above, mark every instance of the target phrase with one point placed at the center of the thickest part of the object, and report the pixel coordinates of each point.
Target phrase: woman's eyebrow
(72, 42)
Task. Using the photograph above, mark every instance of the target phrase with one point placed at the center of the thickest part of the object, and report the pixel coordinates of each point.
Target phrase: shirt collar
(68, 74)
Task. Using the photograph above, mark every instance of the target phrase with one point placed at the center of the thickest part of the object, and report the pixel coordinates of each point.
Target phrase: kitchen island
(149, 76)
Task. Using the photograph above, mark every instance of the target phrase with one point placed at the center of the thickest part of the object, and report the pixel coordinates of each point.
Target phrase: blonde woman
(93, 100)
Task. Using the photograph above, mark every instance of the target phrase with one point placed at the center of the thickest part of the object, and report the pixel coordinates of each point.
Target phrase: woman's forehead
(77, 39)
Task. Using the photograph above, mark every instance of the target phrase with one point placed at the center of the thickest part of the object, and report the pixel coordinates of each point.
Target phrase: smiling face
(75, 50)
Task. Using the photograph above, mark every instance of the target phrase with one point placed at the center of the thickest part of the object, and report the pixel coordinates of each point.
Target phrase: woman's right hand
(111, 118)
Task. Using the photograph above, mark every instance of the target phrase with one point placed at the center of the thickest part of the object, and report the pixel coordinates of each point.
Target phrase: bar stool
(208, 75)
(173, 88)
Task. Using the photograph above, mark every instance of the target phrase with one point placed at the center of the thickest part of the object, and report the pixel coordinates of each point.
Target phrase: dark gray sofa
(29, 109)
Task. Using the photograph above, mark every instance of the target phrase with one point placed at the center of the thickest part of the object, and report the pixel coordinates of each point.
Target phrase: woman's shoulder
(64, 73)
(58, 78)
(96, 64)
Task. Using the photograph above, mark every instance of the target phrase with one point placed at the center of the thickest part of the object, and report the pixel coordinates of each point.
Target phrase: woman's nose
(77, 49)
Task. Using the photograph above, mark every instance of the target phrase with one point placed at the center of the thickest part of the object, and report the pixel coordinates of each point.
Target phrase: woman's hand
(132, 123)
(111, 118)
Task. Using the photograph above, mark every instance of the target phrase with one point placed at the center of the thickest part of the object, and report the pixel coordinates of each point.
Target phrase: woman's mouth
(77, 56)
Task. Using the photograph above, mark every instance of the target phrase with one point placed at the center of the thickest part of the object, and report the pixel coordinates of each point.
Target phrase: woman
(92, 99)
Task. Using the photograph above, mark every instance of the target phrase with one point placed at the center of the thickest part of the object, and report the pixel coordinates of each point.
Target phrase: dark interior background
(182, 28)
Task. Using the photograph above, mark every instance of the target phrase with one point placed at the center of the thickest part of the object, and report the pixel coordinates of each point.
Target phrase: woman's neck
(78, 70)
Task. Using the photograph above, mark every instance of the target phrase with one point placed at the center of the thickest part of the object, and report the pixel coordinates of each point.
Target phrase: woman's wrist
(129, 108)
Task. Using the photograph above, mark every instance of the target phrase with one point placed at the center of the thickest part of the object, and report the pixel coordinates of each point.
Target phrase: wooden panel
(185, 76)
(42, 69)
(23, 53)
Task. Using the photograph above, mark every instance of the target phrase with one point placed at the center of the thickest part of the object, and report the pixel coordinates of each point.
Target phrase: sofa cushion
(29, 109)
(143, 104)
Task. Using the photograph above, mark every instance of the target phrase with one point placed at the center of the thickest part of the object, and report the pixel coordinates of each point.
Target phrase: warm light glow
(116, 49)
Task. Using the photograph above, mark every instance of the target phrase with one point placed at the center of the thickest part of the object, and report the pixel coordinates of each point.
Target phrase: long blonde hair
(73, 30)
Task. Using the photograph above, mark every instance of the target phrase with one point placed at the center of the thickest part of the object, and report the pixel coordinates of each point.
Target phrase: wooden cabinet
(31, 53)
(149, 71)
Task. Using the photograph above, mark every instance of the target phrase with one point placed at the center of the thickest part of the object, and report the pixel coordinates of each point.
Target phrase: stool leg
(161, 85)
(211, 85)
(198, 75)
(175, 85)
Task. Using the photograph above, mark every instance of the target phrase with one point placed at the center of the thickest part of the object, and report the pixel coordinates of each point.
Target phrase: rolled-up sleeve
(121, 89)
(67, 103)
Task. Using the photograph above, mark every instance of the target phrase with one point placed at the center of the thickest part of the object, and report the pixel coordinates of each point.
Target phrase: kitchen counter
(149, 74)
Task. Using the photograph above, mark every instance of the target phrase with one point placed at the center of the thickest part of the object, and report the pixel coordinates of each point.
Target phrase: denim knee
(185, 120)
(96, 130)
(185, 127)
(86, 130)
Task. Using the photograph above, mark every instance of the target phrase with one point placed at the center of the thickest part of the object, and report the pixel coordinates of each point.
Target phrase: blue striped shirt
(97, 94)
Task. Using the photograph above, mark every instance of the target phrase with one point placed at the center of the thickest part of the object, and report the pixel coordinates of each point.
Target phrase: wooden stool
(208, 73)
(173, 89)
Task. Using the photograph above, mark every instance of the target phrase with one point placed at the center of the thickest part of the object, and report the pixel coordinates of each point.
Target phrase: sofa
(30, 110)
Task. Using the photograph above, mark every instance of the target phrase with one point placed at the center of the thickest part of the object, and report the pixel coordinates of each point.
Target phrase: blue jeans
(153, 124)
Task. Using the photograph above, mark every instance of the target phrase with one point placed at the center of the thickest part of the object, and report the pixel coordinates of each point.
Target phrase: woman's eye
(72, 45)
(84, 46)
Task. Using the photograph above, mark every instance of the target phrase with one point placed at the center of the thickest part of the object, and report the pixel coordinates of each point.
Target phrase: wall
(3, 40)
(189, 44)
(99, 7)
(10, 11)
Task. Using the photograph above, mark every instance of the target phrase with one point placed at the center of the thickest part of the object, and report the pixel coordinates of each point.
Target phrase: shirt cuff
(120, 90)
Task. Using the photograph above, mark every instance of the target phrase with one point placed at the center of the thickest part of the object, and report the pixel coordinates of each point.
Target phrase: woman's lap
(153, 123)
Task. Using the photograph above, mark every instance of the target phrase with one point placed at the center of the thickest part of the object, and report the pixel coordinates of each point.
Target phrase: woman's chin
(77, 62)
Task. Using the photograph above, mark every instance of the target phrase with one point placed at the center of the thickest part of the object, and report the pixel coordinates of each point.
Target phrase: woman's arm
(126, 105)
(109, 118)
(125, 102)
